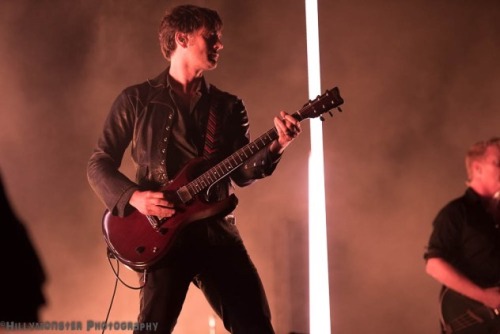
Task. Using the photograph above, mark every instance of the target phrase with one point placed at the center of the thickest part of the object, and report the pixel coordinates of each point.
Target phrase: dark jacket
(144, 116)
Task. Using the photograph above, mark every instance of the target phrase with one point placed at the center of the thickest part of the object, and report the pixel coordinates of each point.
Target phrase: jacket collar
(163, 81)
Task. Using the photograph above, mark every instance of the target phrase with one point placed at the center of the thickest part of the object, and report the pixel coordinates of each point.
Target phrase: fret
(202, 182)
(198, 187)
(234, 162)
(214, 176)
(243, 156)
(220, 168)
(204, 178)
(268, 136)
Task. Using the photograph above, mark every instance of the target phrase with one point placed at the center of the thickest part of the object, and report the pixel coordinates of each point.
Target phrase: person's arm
(264, 162)
(446, 274)
(104, 176)
(116, 190)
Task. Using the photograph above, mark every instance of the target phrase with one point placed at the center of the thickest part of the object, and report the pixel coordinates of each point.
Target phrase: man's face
(204, 47)
(488, 170)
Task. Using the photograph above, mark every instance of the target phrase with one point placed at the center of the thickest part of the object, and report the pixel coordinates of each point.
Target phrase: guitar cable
(116, 272)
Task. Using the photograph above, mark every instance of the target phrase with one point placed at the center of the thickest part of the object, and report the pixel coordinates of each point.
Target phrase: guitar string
(463, 321)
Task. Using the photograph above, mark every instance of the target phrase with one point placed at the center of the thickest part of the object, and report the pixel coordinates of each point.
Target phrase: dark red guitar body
(138, 244)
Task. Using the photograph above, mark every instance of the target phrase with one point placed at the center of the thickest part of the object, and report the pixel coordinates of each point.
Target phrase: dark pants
(213, 257)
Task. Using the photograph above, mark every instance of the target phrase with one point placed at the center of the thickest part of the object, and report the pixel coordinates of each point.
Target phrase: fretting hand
(288, 129)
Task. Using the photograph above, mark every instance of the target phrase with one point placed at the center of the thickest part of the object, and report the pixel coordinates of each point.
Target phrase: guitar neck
(331, 99)
(231, 163)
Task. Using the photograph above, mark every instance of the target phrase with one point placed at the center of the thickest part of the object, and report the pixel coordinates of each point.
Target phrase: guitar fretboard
(321, 104)
(228, 165)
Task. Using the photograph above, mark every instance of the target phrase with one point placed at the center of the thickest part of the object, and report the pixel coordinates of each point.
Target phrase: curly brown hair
(185, 19)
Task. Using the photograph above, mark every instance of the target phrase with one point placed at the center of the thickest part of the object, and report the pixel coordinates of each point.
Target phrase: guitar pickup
(184, 194)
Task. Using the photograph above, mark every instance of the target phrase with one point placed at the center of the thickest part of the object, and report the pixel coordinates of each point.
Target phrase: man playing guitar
(463, 252)
(168, 122)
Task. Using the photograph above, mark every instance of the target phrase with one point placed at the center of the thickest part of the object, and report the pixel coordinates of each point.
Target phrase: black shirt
(188, 128)
(465, 235)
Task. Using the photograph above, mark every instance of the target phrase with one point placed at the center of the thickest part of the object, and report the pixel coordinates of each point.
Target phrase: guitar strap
(213, 127)
(219, 190)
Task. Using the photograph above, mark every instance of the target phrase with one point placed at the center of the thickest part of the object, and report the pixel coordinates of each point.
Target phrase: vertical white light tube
(319, 292)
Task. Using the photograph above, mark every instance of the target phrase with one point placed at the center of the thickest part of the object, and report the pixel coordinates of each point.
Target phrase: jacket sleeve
(262, 164)
(111, 186)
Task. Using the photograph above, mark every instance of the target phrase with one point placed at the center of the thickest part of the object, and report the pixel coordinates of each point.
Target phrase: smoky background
(420, 82)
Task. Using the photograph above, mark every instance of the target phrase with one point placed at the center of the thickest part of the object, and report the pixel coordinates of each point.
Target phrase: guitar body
(138, 244)
(462, 315)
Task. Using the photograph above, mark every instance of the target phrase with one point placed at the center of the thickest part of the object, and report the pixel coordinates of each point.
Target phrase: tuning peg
(331, 115)
(322, 118)
(339, 109)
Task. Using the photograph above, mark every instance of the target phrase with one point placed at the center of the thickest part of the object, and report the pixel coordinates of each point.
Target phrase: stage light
(319, 292)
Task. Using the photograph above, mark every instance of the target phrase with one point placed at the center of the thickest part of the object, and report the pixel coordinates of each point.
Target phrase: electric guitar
(462, 315)
(139, 241)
